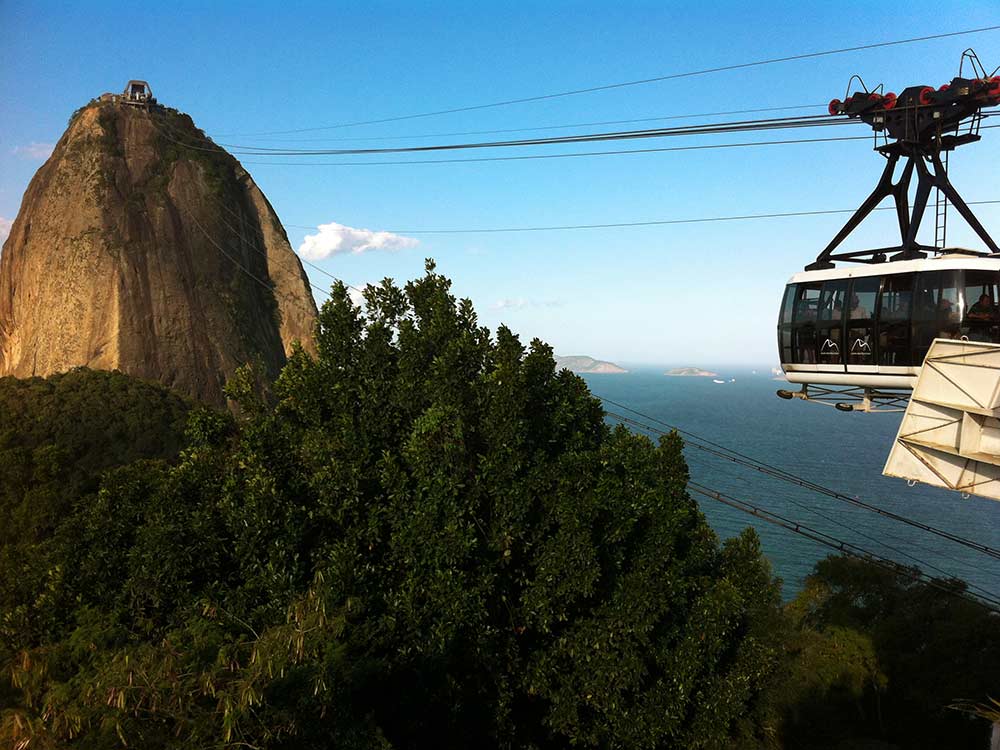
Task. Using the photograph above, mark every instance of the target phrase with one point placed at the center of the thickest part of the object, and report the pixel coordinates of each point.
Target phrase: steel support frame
(931, 173)
(851, 398)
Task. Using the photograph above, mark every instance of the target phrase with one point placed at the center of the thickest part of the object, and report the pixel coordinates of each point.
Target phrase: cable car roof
(947, 262)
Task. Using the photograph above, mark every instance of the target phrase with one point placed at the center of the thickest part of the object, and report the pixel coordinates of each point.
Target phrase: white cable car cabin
(856, 337)
(871, 326)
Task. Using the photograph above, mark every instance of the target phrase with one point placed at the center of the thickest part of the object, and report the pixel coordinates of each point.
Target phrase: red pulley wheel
(890, 100)
(834, 107)
(925, 95)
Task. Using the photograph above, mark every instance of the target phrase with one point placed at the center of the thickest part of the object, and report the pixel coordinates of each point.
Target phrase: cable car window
(830, 322)
(894, 320)
(831, 300)
(806, 302)
(896, 295)
(785, 324)
(937, 309)
(861, 299)
(982, 316)
(787, 304)
(803, 330)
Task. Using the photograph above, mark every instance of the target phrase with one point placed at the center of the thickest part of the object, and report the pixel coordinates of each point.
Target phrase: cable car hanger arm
(922, 124)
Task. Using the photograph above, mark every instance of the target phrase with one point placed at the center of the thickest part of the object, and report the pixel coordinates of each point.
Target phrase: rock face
(142, 247)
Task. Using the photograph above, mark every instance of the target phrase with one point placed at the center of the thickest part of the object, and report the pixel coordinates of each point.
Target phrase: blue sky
(688, 294)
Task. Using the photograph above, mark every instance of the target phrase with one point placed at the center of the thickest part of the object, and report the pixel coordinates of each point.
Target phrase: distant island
(588, 365)
(690, 372)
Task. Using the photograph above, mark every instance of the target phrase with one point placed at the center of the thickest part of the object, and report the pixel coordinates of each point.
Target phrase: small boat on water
(718, 381)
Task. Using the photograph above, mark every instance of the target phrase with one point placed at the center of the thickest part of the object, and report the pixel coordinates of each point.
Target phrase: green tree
(873, 654)
(425, 536)
(57, 436)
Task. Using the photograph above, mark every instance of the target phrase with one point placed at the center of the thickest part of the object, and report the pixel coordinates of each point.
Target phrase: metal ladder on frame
(941, 213)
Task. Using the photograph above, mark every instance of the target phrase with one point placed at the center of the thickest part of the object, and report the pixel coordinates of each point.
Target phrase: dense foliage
(875, 657)
(57, 435)
(423, 537)
(426, 536)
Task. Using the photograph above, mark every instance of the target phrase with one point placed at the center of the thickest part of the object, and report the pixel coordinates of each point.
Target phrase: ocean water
(841, 451)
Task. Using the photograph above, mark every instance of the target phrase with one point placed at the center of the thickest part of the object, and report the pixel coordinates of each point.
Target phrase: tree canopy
(423, 536)
(874, 654)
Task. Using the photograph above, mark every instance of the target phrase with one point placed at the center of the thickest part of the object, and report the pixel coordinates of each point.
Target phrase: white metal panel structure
(950, 433)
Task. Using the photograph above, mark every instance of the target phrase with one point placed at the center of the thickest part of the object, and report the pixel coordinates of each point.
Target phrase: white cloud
(34, 151)
(510, 304)
(5, 225)
(335, 239)
(520, 303)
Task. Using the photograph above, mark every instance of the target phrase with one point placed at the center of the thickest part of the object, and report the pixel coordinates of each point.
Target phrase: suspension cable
(729, 454)
(839, 545)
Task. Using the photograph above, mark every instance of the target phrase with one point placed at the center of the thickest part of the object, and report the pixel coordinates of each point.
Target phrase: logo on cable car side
(861, 347)
(829, 347)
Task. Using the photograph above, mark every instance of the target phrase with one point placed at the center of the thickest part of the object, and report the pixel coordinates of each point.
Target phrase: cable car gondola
(857, 337)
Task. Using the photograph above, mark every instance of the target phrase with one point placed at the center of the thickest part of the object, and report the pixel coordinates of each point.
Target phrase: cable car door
(860, 345)
(895, 315)
(937, 309)
(830, 320)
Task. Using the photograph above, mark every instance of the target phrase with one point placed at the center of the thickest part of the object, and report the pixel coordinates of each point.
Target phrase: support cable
(653, 223)
(265, 284)
(787, 495)
(729, 454)
(810, 509)
(414, 136)
(742, 126)
(839, 545)
(237, 233)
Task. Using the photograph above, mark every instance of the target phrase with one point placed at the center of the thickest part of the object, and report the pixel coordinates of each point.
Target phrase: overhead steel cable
(739, 126)
(692, 130)
(839, 545)
(208, 145)
(637, 82)
(734, 456)
(734, 473)
(810, 509)
(577, 154)
(572, 155)
(540, 127)
(239, 235)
